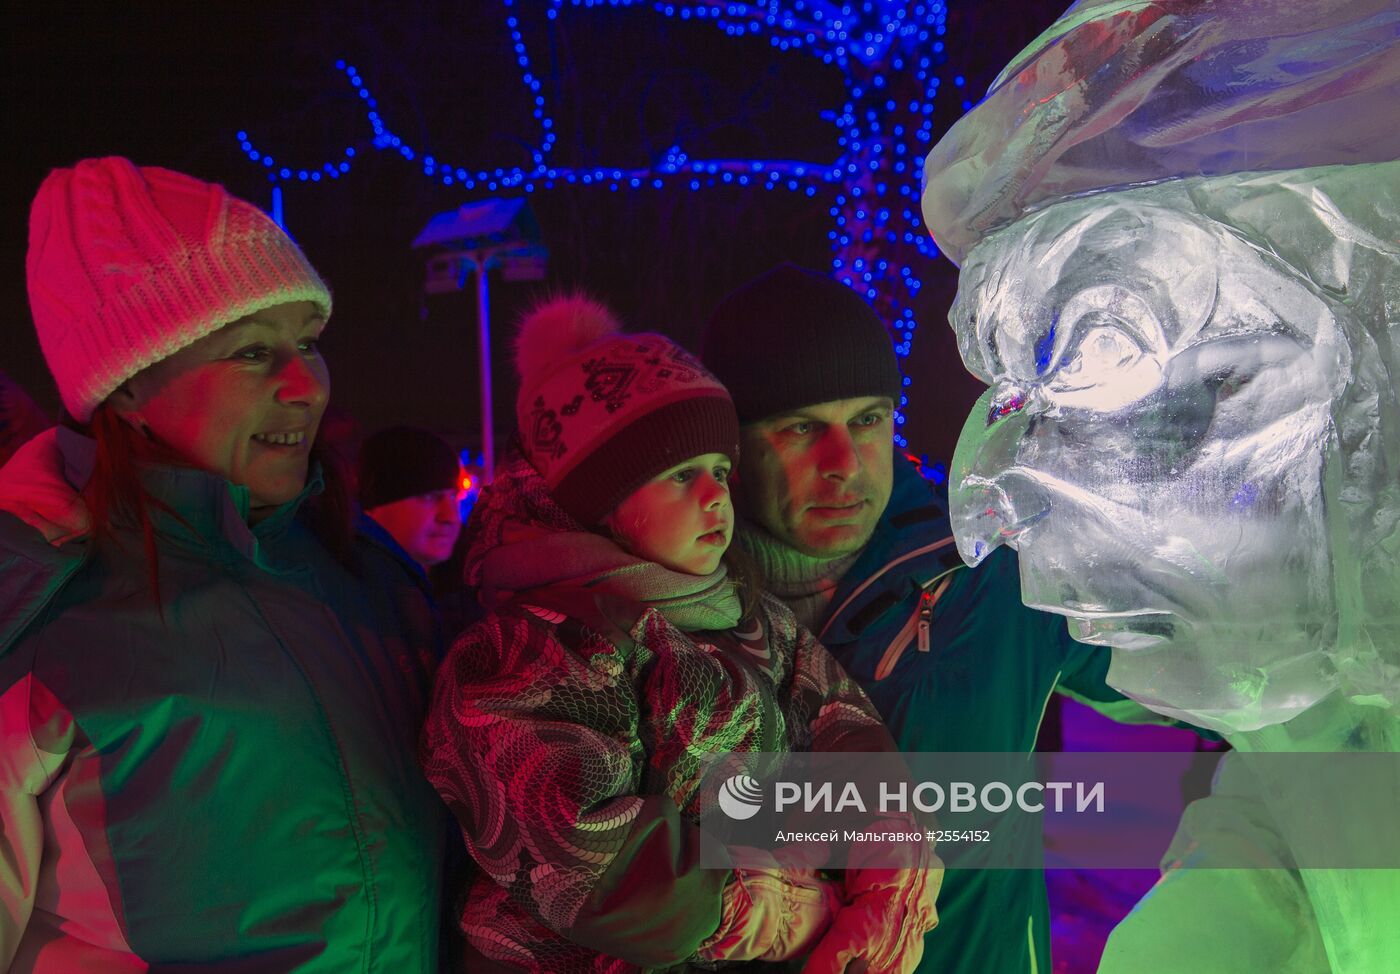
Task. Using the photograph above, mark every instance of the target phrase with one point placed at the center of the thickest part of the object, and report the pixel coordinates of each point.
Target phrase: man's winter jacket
(955, 662)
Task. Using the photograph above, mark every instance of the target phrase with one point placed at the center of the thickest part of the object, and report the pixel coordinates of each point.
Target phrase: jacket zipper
(919, 624)
(896, 649)
(927, 600)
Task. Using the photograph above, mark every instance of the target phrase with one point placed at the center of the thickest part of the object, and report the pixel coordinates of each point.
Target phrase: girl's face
(681, 518)
(243, 402)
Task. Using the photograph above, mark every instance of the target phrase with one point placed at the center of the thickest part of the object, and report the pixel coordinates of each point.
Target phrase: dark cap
(405, 461)
(794, 338)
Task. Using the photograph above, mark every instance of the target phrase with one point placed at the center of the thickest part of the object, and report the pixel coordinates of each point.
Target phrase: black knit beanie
(794, 338)
(404, 461)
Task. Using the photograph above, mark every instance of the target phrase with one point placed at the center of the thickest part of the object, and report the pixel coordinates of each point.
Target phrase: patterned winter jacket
(566, 734)
(227, 785)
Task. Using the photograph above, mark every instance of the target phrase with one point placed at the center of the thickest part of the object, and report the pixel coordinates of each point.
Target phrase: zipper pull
(926, 601)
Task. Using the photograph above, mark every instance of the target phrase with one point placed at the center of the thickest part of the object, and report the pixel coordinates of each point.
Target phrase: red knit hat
(600, 413)
(127, 266)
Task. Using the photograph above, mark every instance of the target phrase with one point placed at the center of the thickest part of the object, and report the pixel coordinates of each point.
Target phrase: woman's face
(681, 518)
(243, 402)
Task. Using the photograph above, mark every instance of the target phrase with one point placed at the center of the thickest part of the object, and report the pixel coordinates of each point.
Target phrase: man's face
(1154, 444)
(818, 478)
(425, 525)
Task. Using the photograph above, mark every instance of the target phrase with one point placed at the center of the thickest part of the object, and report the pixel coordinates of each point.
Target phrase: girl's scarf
(520, 541)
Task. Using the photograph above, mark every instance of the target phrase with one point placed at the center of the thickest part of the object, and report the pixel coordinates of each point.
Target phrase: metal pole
(483, 346)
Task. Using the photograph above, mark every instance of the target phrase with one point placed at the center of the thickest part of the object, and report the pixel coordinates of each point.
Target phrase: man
(410, 483)
(859, 545)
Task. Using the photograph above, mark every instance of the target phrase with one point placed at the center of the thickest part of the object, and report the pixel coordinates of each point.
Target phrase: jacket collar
(911, 546)
(207, 513)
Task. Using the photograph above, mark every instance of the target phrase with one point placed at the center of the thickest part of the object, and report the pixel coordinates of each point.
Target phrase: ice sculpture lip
(1130, 631)
(1150, 596)
(1079, 612)
(1123, 640)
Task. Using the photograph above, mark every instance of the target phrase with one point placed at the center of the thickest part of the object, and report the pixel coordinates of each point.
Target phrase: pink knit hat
(600, 412)
(127, 266)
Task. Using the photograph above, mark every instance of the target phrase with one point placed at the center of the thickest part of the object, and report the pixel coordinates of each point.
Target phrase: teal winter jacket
(226, 783)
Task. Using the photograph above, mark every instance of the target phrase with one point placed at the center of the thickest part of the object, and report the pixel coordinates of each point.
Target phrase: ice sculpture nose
(993, 502)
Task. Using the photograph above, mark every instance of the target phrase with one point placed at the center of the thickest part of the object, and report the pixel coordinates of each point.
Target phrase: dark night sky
(170, 83)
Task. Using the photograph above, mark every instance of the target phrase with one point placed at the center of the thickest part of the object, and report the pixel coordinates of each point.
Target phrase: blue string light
(886, 51)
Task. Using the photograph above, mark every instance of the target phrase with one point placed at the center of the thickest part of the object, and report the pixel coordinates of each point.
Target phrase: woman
(568, 726)
(210, 682)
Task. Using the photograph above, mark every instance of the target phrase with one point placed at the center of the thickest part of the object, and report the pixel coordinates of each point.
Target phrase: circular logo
(741, 797)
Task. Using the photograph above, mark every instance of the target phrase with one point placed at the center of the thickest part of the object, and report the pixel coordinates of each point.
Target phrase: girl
(620, 646)
(210, 683)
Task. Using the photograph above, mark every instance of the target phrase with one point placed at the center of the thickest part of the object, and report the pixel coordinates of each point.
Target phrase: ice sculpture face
(1186, 440)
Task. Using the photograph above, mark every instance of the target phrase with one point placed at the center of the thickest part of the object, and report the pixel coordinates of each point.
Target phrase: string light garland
(886, 52)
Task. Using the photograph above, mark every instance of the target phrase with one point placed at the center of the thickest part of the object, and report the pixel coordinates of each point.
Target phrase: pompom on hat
(600, 412)
(128, 265)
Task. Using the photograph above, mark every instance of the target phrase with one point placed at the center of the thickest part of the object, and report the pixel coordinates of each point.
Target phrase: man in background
(410, 482)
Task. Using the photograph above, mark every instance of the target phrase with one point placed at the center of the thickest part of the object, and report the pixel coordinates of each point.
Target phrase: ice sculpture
(1178, 225)
(1192, 434)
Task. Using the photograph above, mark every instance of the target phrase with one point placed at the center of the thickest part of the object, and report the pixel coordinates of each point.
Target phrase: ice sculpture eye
(1103, 352)
(1104, 370)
